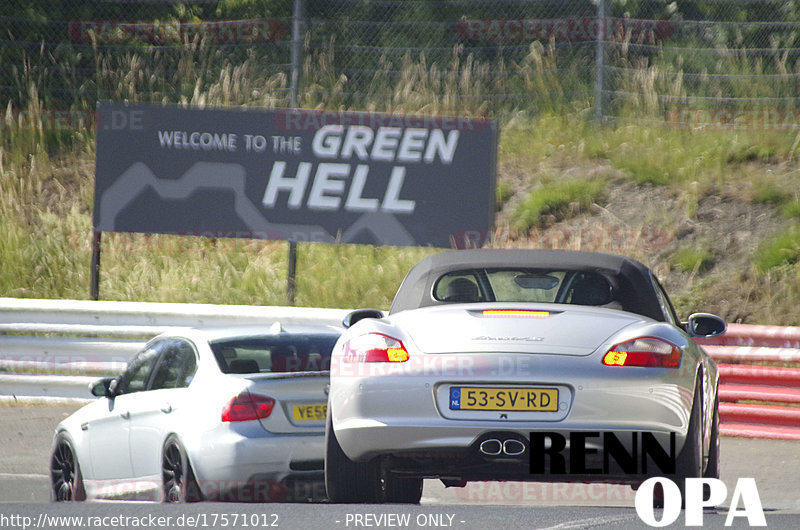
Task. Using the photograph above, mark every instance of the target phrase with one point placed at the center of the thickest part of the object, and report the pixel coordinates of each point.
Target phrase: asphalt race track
(26, 434)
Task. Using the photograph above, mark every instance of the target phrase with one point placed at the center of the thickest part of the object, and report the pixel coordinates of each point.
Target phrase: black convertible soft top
(631, 280)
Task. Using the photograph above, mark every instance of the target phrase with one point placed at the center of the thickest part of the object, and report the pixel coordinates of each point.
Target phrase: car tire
(402, 490)
(65, 472)
(712, 466)
(347, 481)
(179, 484)
(689, 462)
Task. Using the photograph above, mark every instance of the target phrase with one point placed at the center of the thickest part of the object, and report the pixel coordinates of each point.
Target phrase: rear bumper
(396, 415)
(244, 462)
(366, 442)
(469, 454)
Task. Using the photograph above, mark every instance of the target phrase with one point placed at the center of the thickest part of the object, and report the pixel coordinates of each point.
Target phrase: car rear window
(524, 285)
(294, 353)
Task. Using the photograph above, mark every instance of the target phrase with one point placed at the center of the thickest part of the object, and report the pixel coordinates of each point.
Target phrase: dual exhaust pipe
(498, 447)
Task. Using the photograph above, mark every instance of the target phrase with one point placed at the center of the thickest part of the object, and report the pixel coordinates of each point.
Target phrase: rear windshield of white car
(525, 285)
(252, 355)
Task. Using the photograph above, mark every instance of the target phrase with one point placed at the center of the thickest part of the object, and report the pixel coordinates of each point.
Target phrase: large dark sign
(294, 175)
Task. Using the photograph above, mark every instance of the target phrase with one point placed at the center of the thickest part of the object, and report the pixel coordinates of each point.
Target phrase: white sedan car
(228, 414)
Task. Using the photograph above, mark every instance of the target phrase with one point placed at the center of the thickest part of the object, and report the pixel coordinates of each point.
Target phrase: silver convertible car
(228, 414)
(536, 365)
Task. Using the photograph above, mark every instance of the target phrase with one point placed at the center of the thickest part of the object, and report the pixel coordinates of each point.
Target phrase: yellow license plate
(524, 399)
(313, 412)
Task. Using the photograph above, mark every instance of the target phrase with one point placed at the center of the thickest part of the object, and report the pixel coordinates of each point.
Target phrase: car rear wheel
(712, 466)
(65, 473)
(347, 481)
(179, 482)
(689, 463)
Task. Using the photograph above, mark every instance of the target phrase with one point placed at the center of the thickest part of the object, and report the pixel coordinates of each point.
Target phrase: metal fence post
(297, 53)
(94, 278)
(294, 102)
(599, 60)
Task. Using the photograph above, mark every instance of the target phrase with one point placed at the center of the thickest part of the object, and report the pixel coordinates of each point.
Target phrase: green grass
(791, 210)
(768, 190)
(762, 152)
(770, 195)
(782, 249)
(557, 200)
(645, 154)
(693, 259)
(504, 192)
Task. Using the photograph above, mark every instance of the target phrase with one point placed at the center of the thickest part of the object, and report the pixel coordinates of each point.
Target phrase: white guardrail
(53, 349)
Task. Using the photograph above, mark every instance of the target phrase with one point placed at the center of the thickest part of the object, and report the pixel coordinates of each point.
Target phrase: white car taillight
(247, 406)
(374, 348)
(644, 351)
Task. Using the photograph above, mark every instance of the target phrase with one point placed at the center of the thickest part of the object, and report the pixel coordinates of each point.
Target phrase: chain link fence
(715, 63)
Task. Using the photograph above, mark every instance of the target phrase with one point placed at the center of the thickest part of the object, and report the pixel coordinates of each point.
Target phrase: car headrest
(243, 366)
(462, 290)
(591, 289)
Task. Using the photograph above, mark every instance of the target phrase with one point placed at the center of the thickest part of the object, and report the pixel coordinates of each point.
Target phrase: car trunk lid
(542, 329)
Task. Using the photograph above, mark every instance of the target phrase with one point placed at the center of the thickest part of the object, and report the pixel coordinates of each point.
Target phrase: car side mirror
(705, 325)
(361, 314)
(103, 387)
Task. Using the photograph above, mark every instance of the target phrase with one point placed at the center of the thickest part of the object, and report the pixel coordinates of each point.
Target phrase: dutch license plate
(524, 399)
(312, 412)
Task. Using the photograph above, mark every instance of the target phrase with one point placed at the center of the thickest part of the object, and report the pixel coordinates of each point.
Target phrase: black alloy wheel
(179, 481)
(65, 474)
